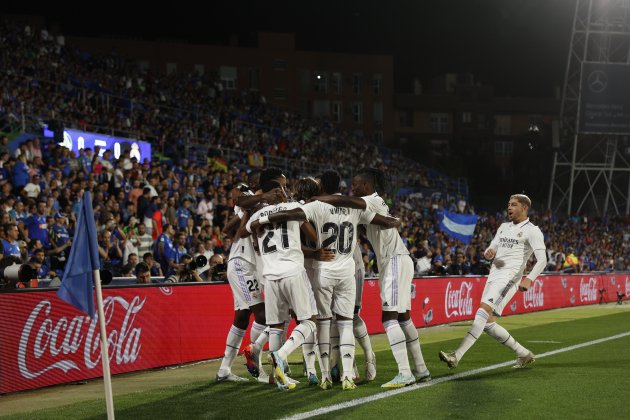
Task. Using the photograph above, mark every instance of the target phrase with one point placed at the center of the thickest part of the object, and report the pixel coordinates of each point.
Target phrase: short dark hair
(270, 174)
(269, 185)
(142, 267)
(330, 181)
(373, 176)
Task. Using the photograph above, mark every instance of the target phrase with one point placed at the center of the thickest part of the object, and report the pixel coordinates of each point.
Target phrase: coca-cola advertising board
(45, 341)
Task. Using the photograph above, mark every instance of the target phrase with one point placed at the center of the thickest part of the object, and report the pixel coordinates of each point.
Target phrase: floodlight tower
(591, 173)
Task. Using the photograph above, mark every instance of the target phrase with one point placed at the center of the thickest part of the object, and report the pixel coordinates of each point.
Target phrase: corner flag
(458, 226)
(76, 285)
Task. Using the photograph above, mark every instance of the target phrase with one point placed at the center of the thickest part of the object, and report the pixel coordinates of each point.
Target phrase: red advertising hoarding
(45, 341)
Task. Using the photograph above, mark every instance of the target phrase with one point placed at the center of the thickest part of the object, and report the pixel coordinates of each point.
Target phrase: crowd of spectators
(47, 81)
(157, 216)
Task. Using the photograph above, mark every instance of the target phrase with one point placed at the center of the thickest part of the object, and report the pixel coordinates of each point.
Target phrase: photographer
(218, 269)
(186, 272)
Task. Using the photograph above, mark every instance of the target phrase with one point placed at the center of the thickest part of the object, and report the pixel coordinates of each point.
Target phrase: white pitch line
(387, 394)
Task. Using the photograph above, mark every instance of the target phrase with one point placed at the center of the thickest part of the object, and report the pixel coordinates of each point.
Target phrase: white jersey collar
(523, 223)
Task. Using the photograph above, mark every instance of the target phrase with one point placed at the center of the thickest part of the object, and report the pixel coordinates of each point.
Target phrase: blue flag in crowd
(458, 226)
(76, 285)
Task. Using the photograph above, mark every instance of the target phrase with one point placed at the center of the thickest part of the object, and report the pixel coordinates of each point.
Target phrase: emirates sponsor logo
(49, 344)
(588, 290)
(535, 296)
(458, 302)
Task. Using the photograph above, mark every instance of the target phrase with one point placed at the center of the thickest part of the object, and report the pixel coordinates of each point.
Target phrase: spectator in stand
(33, 189)
(110, 252)
(146, 241)
(143, 273)
(143, 203)
(460, 267)
(37, 225)
(205, 209)
(10, 244)
(437, 267)
(571, 263)
(164, 250)
(154, 266)
(131, 242)
(183, 214)
(20, 174)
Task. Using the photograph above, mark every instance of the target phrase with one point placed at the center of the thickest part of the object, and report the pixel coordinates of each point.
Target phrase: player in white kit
(247, 293)
(335, 288)
(509, 251)
(330, 182)
(286, 284)
(395, 269)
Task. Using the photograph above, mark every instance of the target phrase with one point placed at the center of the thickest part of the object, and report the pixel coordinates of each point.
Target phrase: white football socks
(300, 334)
(413, 345)
(323, 341)
(502, 336)
(362, 337)
(346, 347)
(232, 345)
(398, 344)
(481, 317)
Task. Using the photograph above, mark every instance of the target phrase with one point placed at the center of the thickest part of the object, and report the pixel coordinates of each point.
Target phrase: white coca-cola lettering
(62, 339)
(588, 290)
(458, 302)
(64, 365)
(627, 286)
(534, 297)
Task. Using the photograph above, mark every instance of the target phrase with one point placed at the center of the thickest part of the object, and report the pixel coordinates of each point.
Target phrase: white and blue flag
(458, 226)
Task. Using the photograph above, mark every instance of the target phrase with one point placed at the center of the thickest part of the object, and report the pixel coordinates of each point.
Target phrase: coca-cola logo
(588, 290)
(627, 286)
(534, 297)
(458, 302)
(166, 290)
(50, 344)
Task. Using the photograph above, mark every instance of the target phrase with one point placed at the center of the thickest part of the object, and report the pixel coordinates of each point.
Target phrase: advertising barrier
(45, 341)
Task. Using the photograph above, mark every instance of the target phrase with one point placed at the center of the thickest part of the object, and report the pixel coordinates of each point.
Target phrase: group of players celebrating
(301, 248)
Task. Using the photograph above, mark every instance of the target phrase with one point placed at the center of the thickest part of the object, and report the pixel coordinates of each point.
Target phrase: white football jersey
(243, 247)
(514, 244)
(280, 246)
(386, 242)
(336, 230)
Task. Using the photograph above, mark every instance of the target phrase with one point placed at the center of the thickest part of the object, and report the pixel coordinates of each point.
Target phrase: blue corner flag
(76, 285)
(458, 226)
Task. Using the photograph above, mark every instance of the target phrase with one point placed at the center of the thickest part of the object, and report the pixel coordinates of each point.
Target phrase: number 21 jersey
(280, 246)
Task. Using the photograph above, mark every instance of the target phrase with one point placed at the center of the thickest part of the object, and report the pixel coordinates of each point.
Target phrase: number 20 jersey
(280, 246)
(336, 230)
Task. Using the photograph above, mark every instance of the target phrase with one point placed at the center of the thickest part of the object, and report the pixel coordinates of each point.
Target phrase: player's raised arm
(248, 202)
(387, 222)
(232, 225)
(491, 251)
(342, 201)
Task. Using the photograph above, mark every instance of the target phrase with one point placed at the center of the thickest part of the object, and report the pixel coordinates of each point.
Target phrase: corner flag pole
(107, 377)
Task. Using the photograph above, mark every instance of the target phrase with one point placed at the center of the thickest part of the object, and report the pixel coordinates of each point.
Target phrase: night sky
(519, 47)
